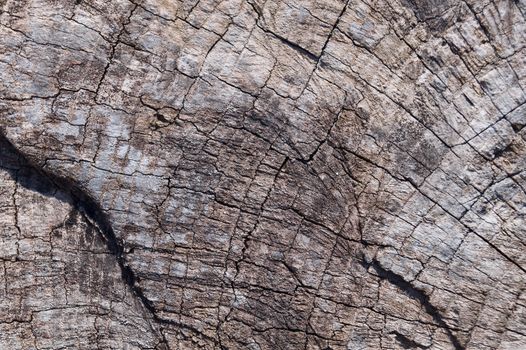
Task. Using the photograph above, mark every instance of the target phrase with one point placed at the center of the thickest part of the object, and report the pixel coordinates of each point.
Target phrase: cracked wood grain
(247, 174)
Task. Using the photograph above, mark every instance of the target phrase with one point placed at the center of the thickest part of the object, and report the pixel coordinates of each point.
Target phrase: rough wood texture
(242, 174)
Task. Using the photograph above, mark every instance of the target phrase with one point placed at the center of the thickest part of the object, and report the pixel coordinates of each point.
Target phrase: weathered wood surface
(242, 174)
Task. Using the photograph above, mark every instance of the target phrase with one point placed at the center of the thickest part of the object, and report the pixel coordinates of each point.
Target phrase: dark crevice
(89, 209)
(468, 100)
(294, 46)
(303, 51)
(499, 152)
(416, 294)
(407, 343)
